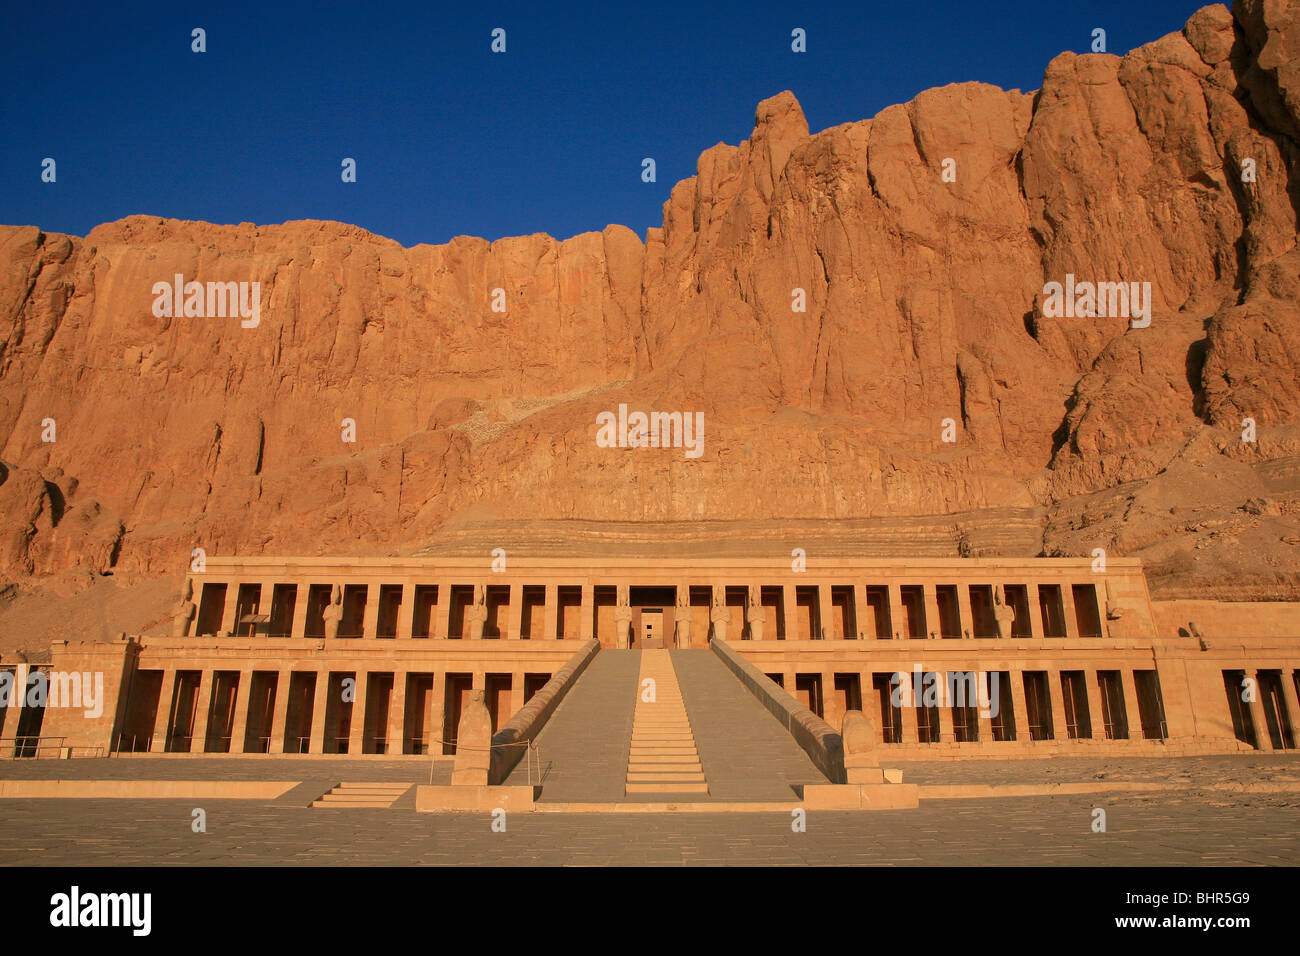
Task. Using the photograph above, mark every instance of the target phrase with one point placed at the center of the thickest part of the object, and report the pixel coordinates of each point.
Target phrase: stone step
(665, 771)
(660, 776)
(381, 785)
(360, 794)
(667, 788)
(663, 741)
(665, 758)
(665, 728)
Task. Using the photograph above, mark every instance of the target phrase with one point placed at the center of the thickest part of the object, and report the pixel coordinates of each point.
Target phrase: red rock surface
(925, 302)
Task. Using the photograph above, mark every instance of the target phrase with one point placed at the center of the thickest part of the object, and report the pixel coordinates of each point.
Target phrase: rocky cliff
(921, 242)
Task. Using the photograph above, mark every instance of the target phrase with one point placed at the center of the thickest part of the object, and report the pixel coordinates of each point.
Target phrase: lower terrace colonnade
(377, 656)
(184, 710)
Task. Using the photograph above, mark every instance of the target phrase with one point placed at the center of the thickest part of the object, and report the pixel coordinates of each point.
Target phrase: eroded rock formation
(924, 303)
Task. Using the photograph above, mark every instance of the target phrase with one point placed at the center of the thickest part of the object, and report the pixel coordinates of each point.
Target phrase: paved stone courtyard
(1192, 826)
(1046, 831)
(1186, 827)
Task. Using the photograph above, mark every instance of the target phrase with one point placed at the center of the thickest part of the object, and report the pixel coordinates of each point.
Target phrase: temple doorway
(652, 627)
(652, 616)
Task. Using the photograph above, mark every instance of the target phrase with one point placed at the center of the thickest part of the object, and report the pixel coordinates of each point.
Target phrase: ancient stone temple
(967, 657)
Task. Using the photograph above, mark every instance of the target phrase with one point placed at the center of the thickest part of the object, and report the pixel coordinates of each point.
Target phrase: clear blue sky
(449, 138)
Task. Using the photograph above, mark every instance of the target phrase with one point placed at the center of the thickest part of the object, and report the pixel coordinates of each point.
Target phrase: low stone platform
(1278, 766)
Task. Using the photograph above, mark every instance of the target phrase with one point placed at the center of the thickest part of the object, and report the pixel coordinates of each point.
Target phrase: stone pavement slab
(1194, 830)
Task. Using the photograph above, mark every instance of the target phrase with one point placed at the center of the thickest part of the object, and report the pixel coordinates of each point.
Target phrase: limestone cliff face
(924, 302)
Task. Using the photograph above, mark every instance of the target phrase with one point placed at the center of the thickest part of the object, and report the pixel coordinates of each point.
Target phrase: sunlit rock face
(832, 306)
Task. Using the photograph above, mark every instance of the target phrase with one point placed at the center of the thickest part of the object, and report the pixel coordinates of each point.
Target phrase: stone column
(516, 612)
(406, 610)
(283, 681)
(1133, 713)
(1071, 617)
(861, 612)
(436, 715)
(1020, 704)
(910, 695)
(18, 699)
(300, 601)
(1056, 693)
(370, 619)
(1292, 704)
(239, 724)
(982, 694)
(585, 629)
(1036, 628)
(1257, 716)
(163, 718)
(965, 614)
(265, 605)
(202, 707)
(228, 612)
(946, 733)
(1096, 712)
(516, 695)
(825, 613)
(396, 739)
(552, 612)
(356, 733)
(832, 712)
(897, 616)
(789, 608)
(319, 712)
(445, 604)
(933, 625)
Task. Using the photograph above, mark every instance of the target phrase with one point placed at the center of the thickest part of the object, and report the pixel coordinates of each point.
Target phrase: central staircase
(662, 758)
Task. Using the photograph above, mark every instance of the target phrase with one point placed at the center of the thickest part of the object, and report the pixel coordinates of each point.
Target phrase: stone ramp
(746, 753)
(584, 745)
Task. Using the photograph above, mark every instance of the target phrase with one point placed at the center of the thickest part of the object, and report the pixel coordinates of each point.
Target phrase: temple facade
(948, 657)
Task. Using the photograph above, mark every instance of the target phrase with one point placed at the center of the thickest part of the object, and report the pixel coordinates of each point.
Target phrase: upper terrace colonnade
(560, 598)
